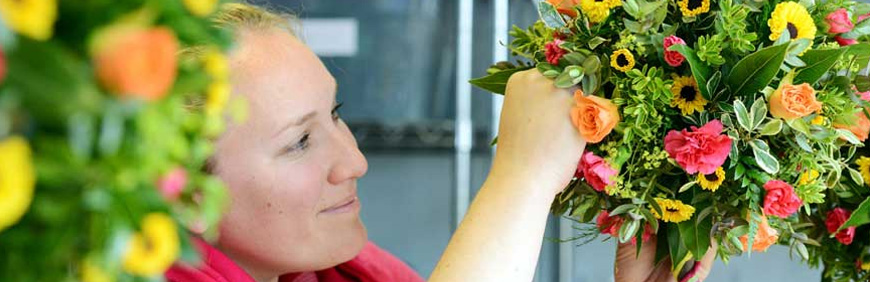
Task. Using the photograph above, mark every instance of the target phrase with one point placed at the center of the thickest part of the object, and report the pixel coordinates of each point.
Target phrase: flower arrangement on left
(107, 109)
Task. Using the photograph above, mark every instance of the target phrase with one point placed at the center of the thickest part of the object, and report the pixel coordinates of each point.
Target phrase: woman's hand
(536, 138)
(642, 268)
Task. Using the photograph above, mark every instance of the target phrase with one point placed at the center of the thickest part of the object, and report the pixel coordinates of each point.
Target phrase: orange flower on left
(565, 7)
(31, 18)
(593, 116)
(17, 180)
(137, 63)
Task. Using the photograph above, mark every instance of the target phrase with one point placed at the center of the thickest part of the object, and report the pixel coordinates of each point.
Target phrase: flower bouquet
(104, 133)
(742, 122)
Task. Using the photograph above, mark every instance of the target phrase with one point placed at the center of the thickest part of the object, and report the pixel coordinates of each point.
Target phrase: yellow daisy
(864, 168)
(793, 18)
(17, 180)
(691, 8)
(31, 18)
(712, 181)
(596, 10)
(687, 96)
(622, 60)
(674, 210)
(808, 177)
(153, 250)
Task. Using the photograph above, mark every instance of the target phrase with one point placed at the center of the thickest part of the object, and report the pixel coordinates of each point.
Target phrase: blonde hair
(239, 16)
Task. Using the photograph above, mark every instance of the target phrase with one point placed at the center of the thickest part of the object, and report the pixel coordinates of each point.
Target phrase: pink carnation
(598, 173)
(845, 41)
(702, 150)
(673, 58)
(554, 52)
(835, 219)
(839, 22)
(172, 183)
(780, 199)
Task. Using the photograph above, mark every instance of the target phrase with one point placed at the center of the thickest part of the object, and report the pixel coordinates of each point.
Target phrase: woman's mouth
(348, 205)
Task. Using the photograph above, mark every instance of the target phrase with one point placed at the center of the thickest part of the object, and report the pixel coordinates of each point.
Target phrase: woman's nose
(349, 161)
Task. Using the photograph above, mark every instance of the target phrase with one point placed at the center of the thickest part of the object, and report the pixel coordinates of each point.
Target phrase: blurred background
(402, 67)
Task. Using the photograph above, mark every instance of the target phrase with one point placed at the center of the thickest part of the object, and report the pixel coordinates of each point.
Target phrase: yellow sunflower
(793, 18)
(622, 60)
(691, 8)
(152, 251)
(808, 177)
(596, 10)
(674, 210)
(864, 168)
(31, 18)
(687, 96)
(17, 180)
(712, 181)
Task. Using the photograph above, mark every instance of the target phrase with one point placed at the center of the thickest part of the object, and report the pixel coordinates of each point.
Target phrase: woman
(291, 167)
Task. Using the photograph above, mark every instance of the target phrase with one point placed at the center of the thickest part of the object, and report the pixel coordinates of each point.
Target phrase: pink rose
(554, 52)
(172, 183)
(780, 199)
(839, 22)
(835, 219)
(673, 58)
(597, 172)
(702, 150)
(845, 41)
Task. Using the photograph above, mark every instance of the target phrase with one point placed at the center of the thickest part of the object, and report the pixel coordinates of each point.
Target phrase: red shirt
(372, 264)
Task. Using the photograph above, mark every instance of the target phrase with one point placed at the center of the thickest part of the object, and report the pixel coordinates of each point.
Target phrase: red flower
(705, 149)
(673, 58)
(835, 219)
(780, 199)
(845, 41)
(554, 52)
(839, 22)
(598, 173)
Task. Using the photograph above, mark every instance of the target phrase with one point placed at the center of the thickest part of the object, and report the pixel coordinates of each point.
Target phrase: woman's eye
(298, 146)
(335, 115)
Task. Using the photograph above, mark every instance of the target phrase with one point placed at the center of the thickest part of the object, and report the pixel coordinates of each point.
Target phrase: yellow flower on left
(673, 210)
(32, 18)
(153, 250)
(200, 8)
(17, 180)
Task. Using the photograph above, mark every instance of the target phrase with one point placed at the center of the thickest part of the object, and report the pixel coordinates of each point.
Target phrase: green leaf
(756, 71)
(622, 209)
(700, 70)
(800, 125)
(743, 117)
(860, 216)
(856, 176)
(570, 77)
(628, 230)
(696, 235)
(687, 186)
(849, 136)
(676, 247)
(550, 16)
(818, 62)
(496, 82)
(772, 127)
(763, 157)
(862, 82)
(861, 52)
(758, 112)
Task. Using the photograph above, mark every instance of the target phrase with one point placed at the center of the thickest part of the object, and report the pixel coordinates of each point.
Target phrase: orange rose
(593, 116)
(794, 101)
(565, 7)
(860, 128)
(764, 237)
(138, 63)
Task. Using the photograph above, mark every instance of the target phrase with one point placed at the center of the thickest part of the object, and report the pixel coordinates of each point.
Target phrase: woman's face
(291, 166)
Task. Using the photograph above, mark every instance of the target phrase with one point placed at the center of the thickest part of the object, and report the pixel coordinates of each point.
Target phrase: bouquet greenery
(104, 133)
(714, 120)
